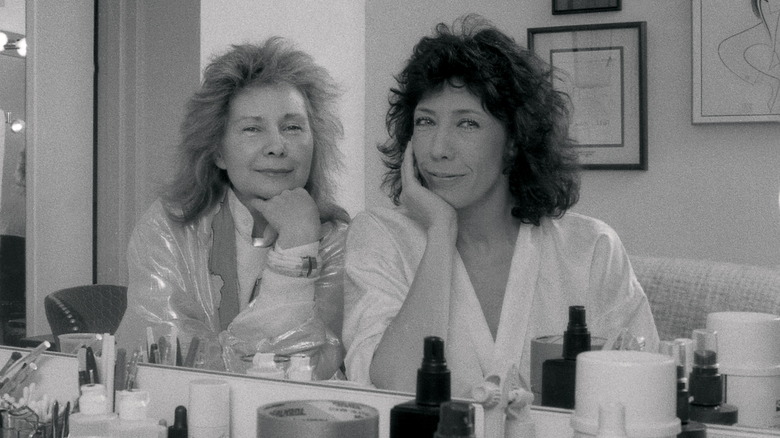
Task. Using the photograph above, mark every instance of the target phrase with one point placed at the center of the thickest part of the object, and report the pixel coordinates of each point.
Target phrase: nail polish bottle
(706, 383)
(558, 375)
(419, 418)
(690, 429)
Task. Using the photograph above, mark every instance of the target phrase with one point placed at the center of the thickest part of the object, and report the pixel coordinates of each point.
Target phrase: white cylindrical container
(749, 358)
(644, 383)
(208, 413)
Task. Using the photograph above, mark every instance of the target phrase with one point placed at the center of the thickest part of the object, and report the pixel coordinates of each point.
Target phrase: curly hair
(515, 86)
(198, 184)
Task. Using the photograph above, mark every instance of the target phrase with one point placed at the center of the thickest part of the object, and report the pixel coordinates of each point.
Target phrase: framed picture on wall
(581, 6)
(736, 61)
(602, 68)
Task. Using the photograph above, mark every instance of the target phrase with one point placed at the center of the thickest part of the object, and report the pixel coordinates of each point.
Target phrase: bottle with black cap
(420, 417)
(690, 429)
(179, 427)
(706, 383)
(456, 420)
(558, 375)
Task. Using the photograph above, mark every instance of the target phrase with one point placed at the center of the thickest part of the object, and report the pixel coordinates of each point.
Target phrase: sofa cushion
(682, 291)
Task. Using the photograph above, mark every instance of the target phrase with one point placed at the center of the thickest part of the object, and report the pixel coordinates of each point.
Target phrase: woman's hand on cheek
(427, 207)
(294, 215)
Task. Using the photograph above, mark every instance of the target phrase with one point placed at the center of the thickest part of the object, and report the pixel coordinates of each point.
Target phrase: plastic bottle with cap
(420, 417)
(456, 420)
(690, 429)
(264, 365)
(705, 383)
(300, 369)
(133, 420)
(558, 375)
(93, 418)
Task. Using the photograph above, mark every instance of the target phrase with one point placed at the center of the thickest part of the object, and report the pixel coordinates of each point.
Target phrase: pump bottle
(706, 383)
(419, 418)
(678, 351)
(456, 420)
(558, 375)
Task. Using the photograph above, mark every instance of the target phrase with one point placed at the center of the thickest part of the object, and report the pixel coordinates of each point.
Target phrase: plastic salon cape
(172, 284)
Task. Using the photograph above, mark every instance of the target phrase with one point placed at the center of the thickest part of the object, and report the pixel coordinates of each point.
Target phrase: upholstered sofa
(682, 292)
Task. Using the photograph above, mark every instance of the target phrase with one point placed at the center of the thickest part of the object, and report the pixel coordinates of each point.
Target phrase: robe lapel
(222, 262)
(473, 354)
(511, 337)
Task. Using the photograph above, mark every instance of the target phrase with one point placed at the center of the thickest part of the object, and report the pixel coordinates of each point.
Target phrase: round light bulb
(3, 41)
(22, 44)
(17, 125)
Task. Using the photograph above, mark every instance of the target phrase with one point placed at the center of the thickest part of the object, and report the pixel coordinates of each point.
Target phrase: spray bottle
(420, 417)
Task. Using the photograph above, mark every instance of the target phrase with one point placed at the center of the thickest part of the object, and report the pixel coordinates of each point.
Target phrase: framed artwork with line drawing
(603, 69)
(736, 61)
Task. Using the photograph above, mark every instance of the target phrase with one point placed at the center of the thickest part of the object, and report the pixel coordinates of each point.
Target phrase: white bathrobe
(575, 260)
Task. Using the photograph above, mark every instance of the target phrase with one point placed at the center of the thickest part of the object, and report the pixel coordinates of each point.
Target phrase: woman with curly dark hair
(480, 249)
(244, 252)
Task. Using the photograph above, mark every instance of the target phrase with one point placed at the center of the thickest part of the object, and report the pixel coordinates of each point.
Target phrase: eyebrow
(458, 112)
(287, 116)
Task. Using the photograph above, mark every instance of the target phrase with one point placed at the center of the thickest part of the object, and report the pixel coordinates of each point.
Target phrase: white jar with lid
(93, 418)
(300, 368)
(133, 421)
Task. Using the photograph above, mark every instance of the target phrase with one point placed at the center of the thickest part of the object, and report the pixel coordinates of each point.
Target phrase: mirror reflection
(374, 135)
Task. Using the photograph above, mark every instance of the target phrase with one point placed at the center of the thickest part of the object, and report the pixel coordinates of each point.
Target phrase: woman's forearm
(425, 312)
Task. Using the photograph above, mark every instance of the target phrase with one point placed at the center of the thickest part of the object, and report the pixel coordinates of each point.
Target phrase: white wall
(59, 152)
(332, 32)
(711, 191)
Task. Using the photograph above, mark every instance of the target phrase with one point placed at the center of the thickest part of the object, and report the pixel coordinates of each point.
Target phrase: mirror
(638, 221)
(12, 171)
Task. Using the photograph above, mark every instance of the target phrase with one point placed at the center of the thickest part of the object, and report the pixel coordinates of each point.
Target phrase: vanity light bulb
(3, 41)
(22, 47)
(17, 125)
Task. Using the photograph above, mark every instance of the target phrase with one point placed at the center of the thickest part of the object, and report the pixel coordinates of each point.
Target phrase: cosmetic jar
(644, 383)
(749, 360)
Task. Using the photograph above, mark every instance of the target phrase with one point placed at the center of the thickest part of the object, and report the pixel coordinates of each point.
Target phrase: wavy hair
(198, 184)
(515, 86)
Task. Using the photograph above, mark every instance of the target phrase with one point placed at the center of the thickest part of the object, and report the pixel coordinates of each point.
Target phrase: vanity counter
(57, 376)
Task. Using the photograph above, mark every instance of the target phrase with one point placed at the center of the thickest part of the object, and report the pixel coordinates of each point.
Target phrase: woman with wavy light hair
(244, 250)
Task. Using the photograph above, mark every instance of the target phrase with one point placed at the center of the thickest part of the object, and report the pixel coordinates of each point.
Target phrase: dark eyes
(468, 124)
(423, 121)
(291, 128)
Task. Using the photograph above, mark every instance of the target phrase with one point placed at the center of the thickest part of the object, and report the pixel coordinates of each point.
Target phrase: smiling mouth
(444, 176)
(275, 172)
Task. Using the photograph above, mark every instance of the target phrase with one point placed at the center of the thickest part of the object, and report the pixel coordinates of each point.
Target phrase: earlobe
(219, 161)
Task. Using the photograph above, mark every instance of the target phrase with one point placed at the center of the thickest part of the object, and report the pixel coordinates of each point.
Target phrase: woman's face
(459, 147)
(268, 144)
